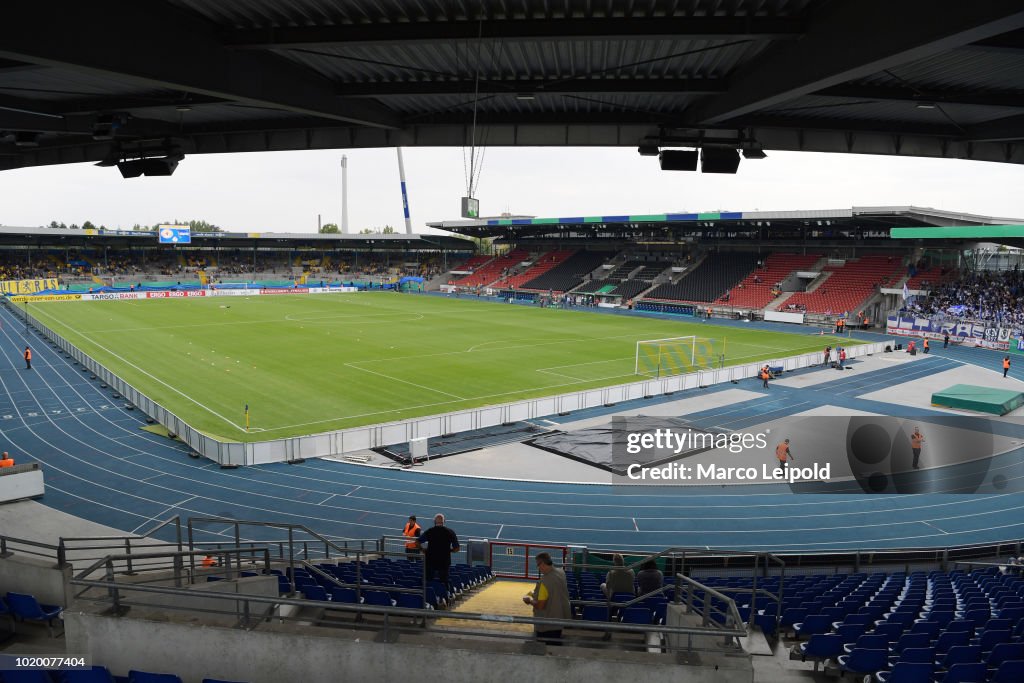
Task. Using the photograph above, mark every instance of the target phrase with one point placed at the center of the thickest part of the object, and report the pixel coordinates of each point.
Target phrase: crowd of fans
(992, 297)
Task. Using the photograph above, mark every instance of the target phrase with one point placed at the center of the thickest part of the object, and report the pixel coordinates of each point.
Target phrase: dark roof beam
(682, 86)
(925, 96)
(161, 47)
(1001, 130)
(845, 43)
(670, 28)
(1013, 42)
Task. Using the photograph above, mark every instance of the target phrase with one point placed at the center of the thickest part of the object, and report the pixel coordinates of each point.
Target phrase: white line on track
(162, 513)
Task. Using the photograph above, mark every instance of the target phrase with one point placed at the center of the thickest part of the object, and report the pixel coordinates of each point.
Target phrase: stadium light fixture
(525, 97)
(26, 139)
(925, 105)
(648, 149)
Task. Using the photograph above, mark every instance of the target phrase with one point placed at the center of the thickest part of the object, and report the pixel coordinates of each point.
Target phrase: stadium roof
(105, 80)
(882, 217)
(235, 240)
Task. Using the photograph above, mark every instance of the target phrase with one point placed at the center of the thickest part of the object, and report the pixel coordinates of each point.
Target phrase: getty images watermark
(647, 451)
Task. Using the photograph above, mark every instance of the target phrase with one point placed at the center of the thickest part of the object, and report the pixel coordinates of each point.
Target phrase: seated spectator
(6, 460)
(619, 579)
(650, 578)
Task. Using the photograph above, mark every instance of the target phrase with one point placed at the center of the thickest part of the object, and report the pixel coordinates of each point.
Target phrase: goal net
(678, 355)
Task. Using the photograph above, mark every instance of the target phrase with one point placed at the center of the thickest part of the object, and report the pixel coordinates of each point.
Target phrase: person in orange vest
(842, 357)
(916, 439)
(208, 561)
(1006, 366)
(6, 460)
(925, 345)
(782, 454)
(28, 358)
(411, 531)
(765, 376)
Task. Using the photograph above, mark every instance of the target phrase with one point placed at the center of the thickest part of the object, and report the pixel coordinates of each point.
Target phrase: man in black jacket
(440, 542)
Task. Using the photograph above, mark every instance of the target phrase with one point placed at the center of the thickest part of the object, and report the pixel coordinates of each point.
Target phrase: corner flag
(246, 417)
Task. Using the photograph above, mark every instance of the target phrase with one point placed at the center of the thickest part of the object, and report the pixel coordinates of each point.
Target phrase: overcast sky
(285, 191)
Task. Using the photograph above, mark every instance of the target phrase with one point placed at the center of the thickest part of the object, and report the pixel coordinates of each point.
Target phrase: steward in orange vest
(1006, 365)
(782, 453)
(412, 531)
(28, 358)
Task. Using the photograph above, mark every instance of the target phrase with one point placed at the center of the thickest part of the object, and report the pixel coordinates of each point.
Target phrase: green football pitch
(312, 363)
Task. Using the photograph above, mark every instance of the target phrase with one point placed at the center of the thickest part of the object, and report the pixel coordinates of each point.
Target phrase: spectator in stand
(549, 599)
(619, 579)
(649, 578)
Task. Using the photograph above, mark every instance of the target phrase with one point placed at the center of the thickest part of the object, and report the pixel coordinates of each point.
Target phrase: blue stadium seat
(595, 613)
(989, 639)
(813, 624)
(410, 601)
(965, 673)
(314, 593)
(144, 677)
(96, 674)
(24, 676)
(948, 639)
(820, 647)
(960, 654)
(344, 595)
(915, 655)
(1010, 671)
(905, 672)
(27, 608)
(380, 598)
(636, 615)
(1004, 652)
(865, 662)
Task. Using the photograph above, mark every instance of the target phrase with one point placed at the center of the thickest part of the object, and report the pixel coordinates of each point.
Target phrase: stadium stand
(755, 290)
(987, 297)
(848, 286)
(568, 274)
(651, 270)
(472, 263)
(623, 270)
(494, 270)
(931, 278)
(542, 265)
(717, 274)
(604, 286)
(628, 289)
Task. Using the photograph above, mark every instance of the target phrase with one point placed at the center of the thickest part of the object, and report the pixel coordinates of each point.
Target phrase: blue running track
(99, 465)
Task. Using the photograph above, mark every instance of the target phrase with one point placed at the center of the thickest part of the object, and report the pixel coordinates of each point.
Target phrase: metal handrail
(119, 605)
(291, 529)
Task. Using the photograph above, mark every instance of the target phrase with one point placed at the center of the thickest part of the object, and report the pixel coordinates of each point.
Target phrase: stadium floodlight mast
(344, 194)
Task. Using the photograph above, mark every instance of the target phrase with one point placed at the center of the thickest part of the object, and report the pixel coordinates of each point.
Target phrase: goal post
(678, 355)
